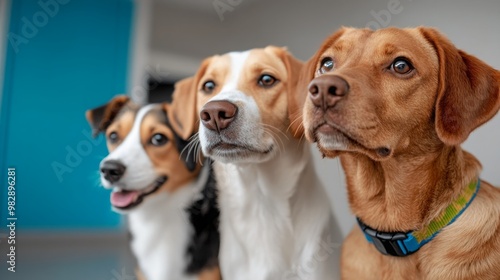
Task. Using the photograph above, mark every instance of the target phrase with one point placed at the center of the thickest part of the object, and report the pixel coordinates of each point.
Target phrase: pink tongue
(123, 199)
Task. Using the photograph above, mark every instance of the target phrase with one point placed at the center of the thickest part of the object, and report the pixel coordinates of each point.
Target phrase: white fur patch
(237, 66)
(161, 231)
(246, 129)
(276, 220)
(139, 171)
(332, 142)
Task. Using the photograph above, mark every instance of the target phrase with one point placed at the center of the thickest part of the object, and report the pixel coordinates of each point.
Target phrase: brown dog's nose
(325, 91)
(217, 115)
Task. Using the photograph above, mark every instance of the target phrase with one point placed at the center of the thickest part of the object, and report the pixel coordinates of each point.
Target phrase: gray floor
(69, 257)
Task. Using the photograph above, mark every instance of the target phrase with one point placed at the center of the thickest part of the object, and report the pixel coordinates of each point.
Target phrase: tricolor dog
(170, 200)
(276, 220)
(395, 105)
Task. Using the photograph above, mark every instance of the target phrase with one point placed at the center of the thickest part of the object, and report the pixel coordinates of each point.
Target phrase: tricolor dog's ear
(294, 69)
(101, 117)
(183, 113)
(188, 156)
(468, 90)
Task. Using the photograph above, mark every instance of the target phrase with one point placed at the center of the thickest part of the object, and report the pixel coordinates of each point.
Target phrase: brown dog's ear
(468, 90)
(183, 112)
(101, 117)
(295, 102)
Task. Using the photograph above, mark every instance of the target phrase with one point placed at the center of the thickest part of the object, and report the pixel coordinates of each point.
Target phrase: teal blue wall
(61, 60)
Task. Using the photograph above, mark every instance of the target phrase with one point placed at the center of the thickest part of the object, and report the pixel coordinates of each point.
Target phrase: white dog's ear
(468, 90)
(183, 114)
(101, 117)
(189, 158)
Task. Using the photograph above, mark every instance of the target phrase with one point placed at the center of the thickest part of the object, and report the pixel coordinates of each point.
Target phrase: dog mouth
(326, 129)
(344, 141)
(127, 199)
(226, 149)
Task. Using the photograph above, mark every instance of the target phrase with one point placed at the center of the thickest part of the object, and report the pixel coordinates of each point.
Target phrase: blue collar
(400, 244)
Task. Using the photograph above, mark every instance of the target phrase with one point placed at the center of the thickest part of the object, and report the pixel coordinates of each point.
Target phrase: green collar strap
(402, 244)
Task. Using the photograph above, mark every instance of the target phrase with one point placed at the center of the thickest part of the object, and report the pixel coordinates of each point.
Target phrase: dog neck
(406, 192)
(161, 231)
(275, 179)
(266, 204)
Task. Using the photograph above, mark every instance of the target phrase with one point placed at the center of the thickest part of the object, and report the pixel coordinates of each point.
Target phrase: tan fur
(100, 118)
(422, 118)
(275, 108)
(210, 274)
(165, 158)
(139, 274)
(122, 127)
(184, 109)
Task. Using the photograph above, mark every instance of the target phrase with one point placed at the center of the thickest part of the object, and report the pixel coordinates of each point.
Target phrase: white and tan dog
(276, 220)
(170, 202)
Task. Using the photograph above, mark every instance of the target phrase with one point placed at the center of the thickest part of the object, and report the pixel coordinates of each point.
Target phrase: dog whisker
(191, 148)
(275, 129)
(271, 130)
(299, 118)
(301, 125)
(302, 137)
(195, 147)
(193, 136)
(198, 151)
(276, 139)
(190, 145)
(280, 141)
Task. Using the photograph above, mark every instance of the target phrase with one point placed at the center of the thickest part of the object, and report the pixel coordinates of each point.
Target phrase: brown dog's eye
(401, 66)
(158, 139)
(208, 86)
(327, 65)
(267, 81)
(113, 137)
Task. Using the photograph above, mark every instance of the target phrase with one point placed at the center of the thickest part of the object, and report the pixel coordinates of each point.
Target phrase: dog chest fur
(277, 239)
(161, 232)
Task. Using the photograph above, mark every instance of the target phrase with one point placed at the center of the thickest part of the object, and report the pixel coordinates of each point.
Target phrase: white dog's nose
(218, 115)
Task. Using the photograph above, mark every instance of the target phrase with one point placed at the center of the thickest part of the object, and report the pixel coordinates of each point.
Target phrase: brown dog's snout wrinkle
(325, 91)
(218, 115)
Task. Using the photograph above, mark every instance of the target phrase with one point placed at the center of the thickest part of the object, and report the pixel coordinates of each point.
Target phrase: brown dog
(395, 105)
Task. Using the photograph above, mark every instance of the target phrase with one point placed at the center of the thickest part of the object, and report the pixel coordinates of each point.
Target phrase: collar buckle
(397, 244)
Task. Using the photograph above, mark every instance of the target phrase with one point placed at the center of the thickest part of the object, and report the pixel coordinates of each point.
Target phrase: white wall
(181, 37)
